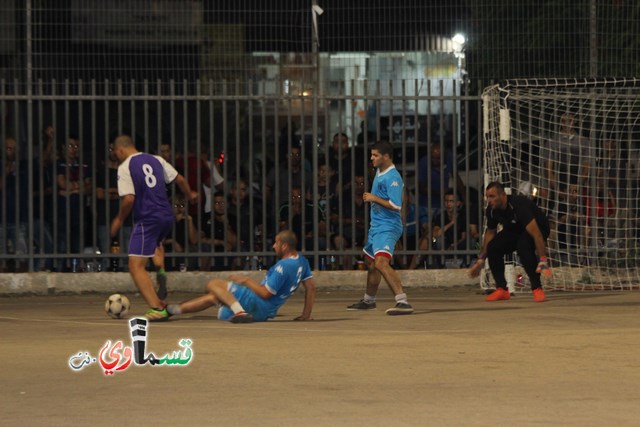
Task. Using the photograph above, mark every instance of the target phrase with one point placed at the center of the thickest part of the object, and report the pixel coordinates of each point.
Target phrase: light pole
(458, 43)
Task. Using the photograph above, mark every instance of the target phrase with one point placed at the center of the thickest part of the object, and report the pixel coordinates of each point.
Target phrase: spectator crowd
(58, 207)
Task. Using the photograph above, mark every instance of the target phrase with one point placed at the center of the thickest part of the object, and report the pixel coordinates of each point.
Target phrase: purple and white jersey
(145, 176)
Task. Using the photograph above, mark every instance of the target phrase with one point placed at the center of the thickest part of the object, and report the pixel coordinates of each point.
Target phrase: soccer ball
(117, 306)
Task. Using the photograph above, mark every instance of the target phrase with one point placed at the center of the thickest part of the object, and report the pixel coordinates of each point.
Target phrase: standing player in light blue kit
(142, 180)
(243, 300)
(384, 231)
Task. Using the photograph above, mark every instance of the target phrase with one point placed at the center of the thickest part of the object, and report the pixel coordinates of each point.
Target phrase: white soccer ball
(117, 306)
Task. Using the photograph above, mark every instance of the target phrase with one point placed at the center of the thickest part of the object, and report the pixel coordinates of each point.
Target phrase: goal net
(573, 146)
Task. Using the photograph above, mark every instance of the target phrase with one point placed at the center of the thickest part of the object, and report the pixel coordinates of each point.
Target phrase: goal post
(573, 145)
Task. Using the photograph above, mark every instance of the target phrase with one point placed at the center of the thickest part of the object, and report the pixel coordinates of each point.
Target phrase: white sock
(402, 298)
(174, 309)
(236, 308)
(369, 298)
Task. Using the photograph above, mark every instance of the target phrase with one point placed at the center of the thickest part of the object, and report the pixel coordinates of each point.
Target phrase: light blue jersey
(387, 185)
(386, 224)
(281, 280)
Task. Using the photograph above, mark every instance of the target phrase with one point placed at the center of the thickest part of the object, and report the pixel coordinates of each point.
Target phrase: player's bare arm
(371, 198)
(309, 299)
(183, 185)
(475, 269)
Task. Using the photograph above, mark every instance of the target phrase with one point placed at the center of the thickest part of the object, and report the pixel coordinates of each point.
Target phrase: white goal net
(574, 146)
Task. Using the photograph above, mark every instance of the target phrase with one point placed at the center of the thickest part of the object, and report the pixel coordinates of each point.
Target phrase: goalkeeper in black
(524, 229)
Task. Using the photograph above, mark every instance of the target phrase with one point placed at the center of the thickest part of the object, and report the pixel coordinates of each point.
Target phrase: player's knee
(135, 264)
(381, 263)
(216, 284)
(212, 300)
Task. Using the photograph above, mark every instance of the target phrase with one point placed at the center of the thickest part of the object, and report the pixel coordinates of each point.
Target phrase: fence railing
(59, 185)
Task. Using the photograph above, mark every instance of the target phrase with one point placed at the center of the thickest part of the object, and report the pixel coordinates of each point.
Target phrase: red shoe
(242, 317)
(499, 294)
(538, 295)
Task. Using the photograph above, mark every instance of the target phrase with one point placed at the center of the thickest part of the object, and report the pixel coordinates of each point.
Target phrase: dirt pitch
(458, 361)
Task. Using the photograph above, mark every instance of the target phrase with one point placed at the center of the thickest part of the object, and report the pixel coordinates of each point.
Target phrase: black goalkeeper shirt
(519, 212)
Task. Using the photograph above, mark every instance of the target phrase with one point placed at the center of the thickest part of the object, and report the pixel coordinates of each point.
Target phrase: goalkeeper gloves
(543, 267)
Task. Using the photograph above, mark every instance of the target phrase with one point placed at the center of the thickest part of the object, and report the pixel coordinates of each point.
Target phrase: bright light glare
(459, 38)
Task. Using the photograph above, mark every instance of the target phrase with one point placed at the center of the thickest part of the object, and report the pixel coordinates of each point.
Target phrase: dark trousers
(506, 242)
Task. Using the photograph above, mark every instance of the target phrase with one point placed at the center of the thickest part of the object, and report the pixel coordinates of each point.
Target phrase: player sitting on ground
(243, 300)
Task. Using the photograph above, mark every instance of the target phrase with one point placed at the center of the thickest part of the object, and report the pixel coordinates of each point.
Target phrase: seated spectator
(165, 152)
(14, 194)
(340, 162)
(448, 231)
(108, 205)
(327, 201)
(184, 237)
(44, 172)
(243, 218)
(216, 180)
(196, 170)
(74, 185)
(299, 219)
(409, 223)
(474, 220)
(353, 213)
(290, 173)
(217, 232)
(435, 171)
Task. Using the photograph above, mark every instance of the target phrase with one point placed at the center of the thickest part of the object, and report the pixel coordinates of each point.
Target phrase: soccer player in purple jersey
(142, 180)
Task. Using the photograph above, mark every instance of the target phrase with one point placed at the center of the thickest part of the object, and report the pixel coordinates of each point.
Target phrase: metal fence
(227, 39)
(243, 83)
(63, 136)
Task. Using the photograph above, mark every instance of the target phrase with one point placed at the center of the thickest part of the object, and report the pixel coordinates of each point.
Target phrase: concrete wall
(105, 282)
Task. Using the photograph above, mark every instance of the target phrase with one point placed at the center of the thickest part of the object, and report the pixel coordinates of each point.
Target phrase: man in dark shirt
(108, 205)
(219, 233)
(297, 216)
(524, 228)
(74, 178)
(14, 195)
(340, 162)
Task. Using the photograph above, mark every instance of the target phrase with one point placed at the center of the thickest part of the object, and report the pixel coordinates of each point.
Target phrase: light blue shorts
(251, 303)
(381, 243)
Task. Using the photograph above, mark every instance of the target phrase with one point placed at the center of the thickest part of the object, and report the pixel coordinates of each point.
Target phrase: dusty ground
(458, 361)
